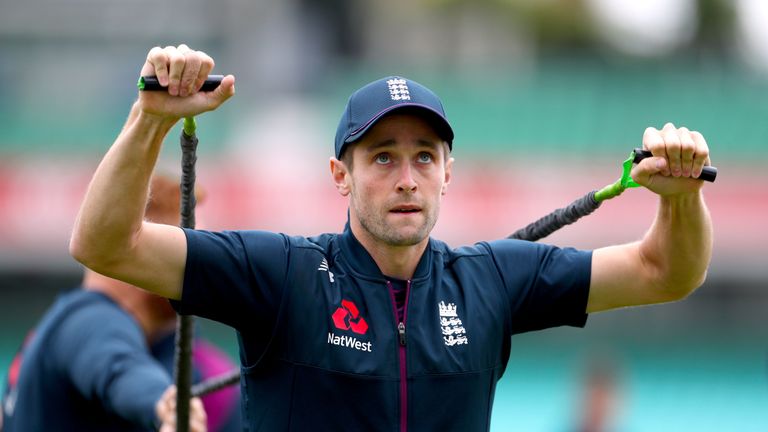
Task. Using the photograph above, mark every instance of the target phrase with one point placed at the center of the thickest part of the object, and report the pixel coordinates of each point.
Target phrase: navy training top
(86, 368)
(322, 347)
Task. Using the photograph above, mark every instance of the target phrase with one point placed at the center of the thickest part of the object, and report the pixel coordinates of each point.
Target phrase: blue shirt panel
(547, 286)
(236, 278)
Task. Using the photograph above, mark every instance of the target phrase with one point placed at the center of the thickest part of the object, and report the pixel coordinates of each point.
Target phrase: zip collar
(363, 265)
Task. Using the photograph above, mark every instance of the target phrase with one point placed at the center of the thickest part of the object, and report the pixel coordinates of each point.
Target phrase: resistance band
(591, 201)
(184, 323)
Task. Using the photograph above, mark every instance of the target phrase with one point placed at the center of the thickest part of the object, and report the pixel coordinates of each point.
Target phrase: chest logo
(324, 267)
(453, 330)
(347, 317)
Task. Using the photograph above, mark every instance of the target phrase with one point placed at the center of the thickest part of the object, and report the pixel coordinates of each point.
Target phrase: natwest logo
(347, 317)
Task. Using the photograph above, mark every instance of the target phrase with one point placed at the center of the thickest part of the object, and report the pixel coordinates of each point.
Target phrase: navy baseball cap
(373, 101)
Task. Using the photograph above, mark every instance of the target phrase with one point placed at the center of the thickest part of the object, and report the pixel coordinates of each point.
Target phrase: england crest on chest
(451, 326)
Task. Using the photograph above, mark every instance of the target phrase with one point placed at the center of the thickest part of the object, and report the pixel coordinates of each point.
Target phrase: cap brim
(436, 119)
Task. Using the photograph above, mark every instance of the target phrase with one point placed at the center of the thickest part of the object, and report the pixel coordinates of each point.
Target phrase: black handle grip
(708, 173)
(150, 83)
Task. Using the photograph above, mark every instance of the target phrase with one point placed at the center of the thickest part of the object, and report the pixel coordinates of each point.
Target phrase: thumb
(647, 168)
(224, 91)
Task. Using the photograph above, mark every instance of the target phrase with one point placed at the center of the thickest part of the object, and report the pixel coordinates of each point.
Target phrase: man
(380, 327)
(88, 365)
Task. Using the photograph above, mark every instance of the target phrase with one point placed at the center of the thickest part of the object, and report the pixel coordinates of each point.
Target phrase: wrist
(681, 208)
(150, 120)
(682, 199)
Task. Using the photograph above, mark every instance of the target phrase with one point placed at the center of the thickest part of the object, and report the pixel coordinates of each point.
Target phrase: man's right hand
(182, 71)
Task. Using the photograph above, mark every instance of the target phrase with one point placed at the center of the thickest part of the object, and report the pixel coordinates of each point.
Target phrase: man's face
(400, 170)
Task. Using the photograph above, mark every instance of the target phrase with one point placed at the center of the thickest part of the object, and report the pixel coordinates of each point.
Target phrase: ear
(447, 179)
(339, 173)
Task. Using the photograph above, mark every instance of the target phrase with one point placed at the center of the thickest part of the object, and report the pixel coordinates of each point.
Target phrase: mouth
(406, 209)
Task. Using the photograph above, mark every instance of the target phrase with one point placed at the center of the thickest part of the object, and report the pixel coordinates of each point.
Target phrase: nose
(406, 182)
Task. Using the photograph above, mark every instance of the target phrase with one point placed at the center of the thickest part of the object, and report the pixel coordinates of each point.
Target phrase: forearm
(134, 395)
(112, 212)
(678, 247)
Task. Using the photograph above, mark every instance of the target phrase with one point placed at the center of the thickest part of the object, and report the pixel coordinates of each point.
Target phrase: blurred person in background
(600, 397)
(380, 327)
(102, 357)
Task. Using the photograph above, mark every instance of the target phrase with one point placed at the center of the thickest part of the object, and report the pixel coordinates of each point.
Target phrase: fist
(182, 71)
(679, 155)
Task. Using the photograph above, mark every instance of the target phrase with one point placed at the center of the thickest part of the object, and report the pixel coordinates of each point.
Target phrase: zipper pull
(401, 331)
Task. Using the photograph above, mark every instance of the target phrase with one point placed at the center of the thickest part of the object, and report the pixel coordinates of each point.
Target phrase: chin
(411, 239)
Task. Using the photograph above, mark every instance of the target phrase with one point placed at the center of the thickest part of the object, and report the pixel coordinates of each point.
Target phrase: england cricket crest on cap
(453, 330)
(398, 89)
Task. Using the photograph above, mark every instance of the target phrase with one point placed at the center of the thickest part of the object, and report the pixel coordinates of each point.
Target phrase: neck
(394, 261)
(138, 303)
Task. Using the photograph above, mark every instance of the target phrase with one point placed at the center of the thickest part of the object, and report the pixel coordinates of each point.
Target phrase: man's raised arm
(672, 258)
(109, 235)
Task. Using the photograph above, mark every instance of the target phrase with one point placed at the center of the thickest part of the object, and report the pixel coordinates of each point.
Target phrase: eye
(383, 158)
(424, 157)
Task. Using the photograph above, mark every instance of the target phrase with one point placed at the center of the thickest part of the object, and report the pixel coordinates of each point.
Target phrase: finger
(701, 154)
(189, 76)
(161, 406)
(224, 91)
(198, 420)
(169, 399)
(643, 172)
(198, 410)
(672, 144)
(157, 64)
(171, 403)
(197, 426)
(653, 142)
(175, 69)
(191, 69)
(687, 150)
(206, 66)
(168, 418)
(170, 392)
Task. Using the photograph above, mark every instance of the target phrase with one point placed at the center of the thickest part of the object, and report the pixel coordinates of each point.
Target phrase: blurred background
(546, 97)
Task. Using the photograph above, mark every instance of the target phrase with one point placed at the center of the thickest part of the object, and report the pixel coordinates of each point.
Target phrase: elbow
(696, 284)
(79, 251)
(678, 294)
(75, 247)
(95, 253)
(682, 290)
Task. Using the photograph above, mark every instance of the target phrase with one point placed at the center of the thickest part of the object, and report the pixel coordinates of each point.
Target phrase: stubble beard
(379, 229)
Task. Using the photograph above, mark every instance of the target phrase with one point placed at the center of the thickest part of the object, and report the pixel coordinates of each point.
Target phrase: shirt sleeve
(103, 352)
(547, 286)
(235, 277)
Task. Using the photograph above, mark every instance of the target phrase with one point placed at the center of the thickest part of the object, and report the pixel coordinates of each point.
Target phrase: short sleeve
(234, 277)
(547, 286)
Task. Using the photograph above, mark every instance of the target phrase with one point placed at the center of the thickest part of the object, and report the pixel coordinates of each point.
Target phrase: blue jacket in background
(87, 367)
